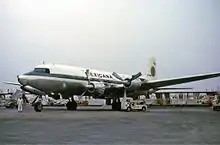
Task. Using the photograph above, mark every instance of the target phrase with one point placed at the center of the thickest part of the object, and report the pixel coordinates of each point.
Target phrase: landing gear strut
(38, 107)
(71, 105)
(116, 104)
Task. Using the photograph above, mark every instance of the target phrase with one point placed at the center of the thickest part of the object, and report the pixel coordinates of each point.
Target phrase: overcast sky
(112, 35)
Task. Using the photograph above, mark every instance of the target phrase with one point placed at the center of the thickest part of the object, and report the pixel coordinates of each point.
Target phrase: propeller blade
(87, 75)
(136, 76)
(117, 76)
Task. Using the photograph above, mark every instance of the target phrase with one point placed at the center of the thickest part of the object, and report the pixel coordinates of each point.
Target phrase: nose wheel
(38, 106)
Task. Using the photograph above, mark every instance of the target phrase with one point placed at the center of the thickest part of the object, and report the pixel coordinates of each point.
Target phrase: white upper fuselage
(58, 78)
(79, 71)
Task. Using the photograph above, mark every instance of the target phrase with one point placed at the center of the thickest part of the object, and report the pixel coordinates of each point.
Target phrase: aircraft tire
(119, 106)
(38, 107)
(74, 105)
(113, 106)
(71, 105)
(116, 106)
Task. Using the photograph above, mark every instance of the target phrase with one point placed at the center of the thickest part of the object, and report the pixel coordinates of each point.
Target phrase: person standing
(20, 103)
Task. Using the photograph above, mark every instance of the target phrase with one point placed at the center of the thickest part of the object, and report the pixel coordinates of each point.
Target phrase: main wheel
(71, 105)
(116, 106)
(38, 107)
(113, 105)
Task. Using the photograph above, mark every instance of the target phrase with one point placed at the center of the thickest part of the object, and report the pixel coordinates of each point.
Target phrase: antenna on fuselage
(43, 62)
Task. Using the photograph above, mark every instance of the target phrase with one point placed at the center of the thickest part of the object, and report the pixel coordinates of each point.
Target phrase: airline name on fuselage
(100, 75)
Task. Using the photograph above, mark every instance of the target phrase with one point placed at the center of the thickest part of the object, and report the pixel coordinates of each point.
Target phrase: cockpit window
(42, 70)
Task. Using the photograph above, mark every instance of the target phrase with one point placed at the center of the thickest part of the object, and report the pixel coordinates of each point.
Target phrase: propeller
(134, 77)
(87, 75)
(127, 80)
(117, 76)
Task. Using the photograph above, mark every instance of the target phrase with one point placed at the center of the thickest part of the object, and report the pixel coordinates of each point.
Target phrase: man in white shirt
(20, 103)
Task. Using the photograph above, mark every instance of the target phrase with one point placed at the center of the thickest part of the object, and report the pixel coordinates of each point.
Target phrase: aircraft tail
(152, 73)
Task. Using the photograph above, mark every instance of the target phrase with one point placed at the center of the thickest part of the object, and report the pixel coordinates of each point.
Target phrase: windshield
(42, 70)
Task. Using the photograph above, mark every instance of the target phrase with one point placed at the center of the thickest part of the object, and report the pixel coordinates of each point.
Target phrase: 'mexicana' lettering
(99, 75)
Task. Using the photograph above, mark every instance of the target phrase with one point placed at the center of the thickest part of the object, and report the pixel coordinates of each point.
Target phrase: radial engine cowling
(97, 88)
(133, 84)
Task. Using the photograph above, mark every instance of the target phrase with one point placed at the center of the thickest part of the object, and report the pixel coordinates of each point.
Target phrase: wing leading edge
(179, 80)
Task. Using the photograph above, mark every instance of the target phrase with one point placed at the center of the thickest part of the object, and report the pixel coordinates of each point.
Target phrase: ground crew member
(20, 103)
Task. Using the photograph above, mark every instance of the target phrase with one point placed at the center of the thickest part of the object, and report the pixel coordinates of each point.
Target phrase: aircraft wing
(179, 80)
(159, 84)
(13, 83)
(174, 88)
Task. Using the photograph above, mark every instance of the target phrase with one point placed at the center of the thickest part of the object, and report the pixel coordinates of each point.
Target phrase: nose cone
(21, 79)
(18, 78)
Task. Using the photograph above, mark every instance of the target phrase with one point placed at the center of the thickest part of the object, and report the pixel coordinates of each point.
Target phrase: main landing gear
(116, 104)
(71, 105)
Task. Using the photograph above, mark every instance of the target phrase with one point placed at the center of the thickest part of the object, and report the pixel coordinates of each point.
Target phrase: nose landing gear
(38, 106)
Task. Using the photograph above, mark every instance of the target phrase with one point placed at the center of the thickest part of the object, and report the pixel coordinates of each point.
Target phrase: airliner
(58, 79)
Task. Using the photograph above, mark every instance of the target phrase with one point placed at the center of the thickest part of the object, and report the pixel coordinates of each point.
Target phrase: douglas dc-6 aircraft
(56, 79)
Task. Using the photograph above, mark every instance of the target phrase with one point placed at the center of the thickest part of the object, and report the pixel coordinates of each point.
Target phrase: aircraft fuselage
(65, 79)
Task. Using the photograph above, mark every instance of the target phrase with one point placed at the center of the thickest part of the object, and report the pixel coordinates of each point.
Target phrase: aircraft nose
(21, 79)
(18, 78)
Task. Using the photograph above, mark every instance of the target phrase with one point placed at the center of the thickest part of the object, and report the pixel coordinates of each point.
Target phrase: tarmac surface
(95, 126)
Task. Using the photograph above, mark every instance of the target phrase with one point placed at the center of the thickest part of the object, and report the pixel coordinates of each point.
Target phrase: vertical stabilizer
(152, 73)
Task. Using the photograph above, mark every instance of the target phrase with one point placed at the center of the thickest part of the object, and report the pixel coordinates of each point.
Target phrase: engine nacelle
(134, 84)
(98, 88)
(32, 90)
